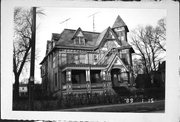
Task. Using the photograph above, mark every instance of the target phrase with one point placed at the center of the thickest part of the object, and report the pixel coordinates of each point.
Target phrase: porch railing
(84, 86)
(80, 86)
(95, 85)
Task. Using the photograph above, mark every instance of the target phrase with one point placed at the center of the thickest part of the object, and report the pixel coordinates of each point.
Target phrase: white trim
(111, 64)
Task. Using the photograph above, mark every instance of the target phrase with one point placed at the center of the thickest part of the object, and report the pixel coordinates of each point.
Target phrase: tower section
(120, 28)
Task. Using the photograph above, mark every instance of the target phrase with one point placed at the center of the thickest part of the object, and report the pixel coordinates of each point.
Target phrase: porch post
(88, 81)
(103, 76)
(108, 81)
(108, 76)
(68, 81)
(131, 69)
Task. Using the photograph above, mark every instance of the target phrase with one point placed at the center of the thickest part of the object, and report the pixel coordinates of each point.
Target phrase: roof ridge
(82, 30)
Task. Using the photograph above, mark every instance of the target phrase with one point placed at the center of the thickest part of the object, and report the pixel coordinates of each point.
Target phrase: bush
(80, 100)
(157, 93)
(77, 100)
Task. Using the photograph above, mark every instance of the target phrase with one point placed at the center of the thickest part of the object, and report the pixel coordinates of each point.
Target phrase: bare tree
(22, 42)
(160, 32)
(149, 43)
(137, 66)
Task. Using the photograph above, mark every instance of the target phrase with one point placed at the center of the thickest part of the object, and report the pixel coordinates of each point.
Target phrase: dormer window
(120, 32)
(79, 37)
(79, 41)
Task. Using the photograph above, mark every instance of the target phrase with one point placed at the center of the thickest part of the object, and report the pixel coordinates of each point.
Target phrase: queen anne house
(79, 61)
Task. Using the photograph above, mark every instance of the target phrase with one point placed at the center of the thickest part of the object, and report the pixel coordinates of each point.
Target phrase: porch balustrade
(96, 85)
(84, 86)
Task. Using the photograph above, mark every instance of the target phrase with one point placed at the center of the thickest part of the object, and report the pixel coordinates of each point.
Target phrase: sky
(51, 22)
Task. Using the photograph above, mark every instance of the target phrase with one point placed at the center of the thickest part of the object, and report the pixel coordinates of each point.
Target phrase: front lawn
(134, 107)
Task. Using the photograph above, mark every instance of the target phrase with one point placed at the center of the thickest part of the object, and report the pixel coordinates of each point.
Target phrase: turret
(120, 28)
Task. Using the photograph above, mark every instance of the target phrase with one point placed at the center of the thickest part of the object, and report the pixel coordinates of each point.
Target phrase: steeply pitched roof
(120, 23)
(55, 36)
(66, 38)
(101, 36)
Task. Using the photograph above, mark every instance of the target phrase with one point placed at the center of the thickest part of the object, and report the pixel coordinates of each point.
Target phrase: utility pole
(32, 65)
(93, 16)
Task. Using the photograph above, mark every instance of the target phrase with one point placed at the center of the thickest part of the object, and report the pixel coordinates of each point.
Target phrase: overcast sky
(79, 17)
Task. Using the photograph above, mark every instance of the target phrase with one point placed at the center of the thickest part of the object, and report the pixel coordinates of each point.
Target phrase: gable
(118, 63)
(80, 34)
(109, 45)
(108, 36)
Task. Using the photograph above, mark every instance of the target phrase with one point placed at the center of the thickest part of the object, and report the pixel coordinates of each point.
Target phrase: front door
(115, 77)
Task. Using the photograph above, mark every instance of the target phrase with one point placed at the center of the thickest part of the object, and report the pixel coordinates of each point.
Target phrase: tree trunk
(16, 88)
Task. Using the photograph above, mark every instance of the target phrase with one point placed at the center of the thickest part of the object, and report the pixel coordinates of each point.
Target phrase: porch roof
(82, 67)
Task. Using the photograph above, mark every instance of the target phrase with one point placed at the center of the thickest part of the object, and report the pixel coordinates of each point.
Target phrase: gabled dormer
(107, 39)
(78, 37)
(120, 28)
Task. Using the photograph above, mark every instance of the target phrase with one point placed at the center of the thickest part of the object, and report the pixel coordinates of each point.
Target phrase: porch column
(88, 81)
(108, 76)
(131, 69)
(103, 77)
(108, 81)
(68, 81)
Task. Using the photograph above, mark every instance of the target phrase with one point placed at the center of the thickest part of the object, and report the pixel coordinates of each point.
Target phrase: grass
(135, 107)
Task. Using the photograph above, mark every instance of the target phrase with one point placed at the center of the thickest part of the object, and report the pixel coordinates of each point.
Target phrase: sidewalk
(139, 106)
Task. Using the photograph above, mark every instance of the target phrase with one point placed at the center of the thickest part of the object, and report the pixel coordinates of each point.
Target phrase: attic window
(79, 41)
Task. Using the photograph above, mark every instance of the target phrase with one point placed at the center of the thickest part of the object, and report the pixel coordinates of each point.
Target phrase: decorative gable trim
(113, 62)
(77, 32)
(78, 37)
(106, 37)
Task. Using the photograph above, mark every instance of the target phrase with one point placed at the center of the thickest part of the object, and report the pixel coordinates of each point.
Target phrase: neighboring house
(79, 61)
(157, 78)
(23, 90)
(162, 73)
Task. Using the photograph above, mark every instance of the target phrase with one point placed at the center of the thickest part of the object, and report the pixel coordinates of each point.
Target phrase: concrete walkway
(107, 106)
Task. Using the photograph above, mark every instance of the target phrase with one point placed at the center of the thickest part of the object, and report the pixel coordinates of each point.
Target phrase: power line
(65, 21)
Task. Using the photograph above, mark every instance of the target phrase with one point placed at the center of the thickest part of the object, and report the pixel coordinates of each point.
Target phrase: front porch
(85, 81)
(93, 80)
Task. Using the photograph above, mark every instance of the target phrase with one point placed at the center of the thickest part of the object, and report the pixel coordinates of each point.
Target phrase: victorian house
(79, 61)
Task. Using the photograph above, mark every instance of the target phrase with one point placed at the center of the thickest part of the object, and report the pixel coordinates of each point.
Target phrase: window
(82, 41)
(82, 59)
(54, 61)
(63, 57)
(124, 58)
(59, 58)
(79, 41)
(120, 33)
(70, 58)
(95, 57)
(76, 59)
(76, 41)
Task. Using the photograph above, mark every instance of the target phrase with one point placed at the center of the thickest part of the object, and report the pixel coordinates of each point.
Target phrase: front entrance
(115, 77)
